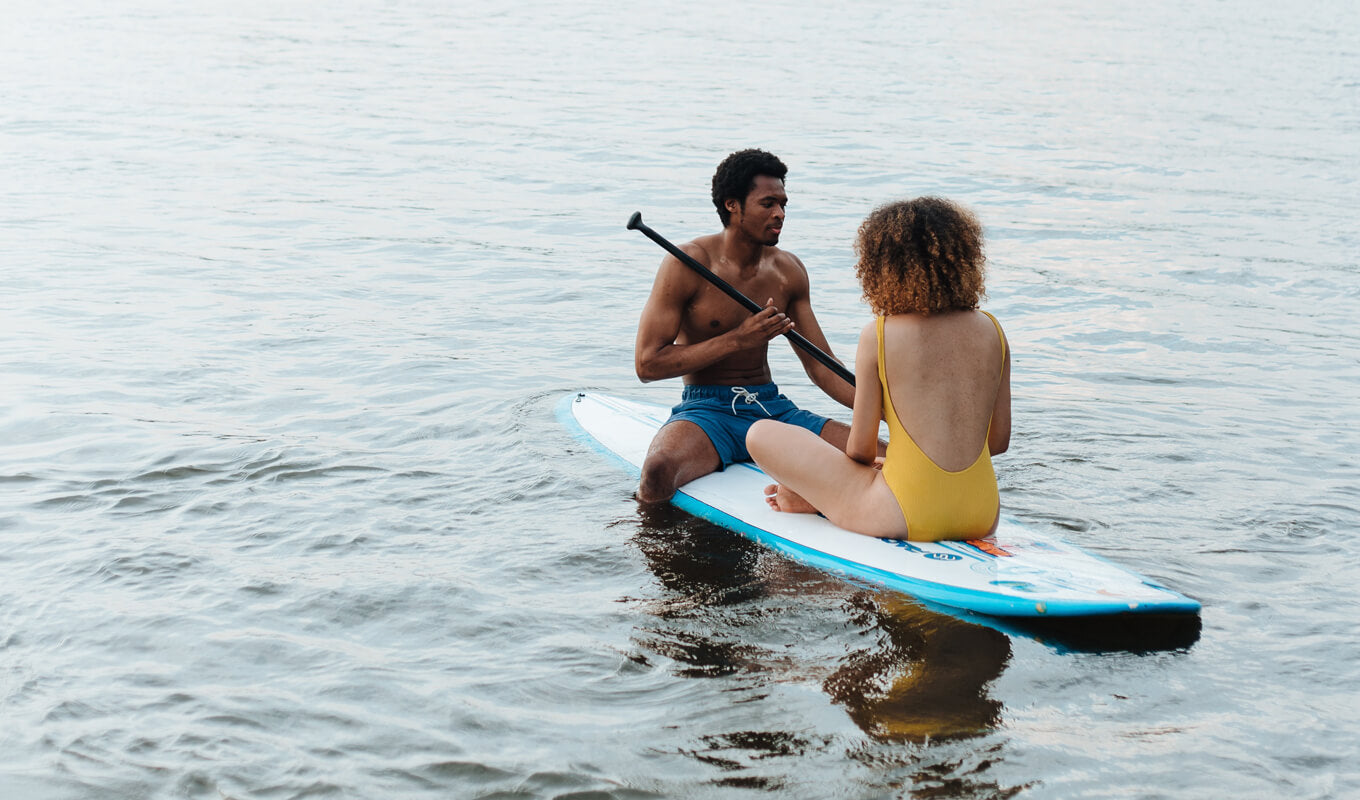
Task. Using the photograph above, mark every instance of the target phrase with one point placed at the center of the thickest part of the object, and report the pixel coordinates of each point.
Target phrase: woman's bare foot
(782, 498)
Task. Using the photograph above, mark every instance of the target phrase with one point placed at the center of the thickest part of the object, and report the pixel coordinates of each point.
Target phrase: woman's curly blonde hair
(920, 256)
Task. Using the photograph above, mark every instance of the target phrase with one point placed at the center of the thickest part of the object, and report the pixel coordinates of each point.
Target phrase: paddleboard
(1017, 572)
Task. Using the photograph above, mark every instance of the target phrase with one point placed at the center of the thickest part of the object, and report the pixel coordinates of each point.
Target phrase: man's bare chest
(710, 312)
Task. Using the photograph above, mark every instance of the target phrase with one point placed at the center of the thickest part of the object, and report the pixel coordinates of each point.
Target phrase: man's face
(761, 215)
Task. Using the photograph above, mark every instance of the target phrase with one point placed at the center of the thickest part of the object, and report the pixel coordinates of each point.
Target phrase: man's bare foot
(782, 498)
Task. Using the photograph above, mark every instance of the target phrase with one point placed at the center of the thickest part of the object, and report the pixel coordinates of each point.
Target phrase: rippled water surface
(290, 291)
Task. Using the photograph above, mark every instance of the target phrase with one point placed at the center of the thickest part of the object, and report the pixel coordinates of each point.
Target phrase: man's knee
(658, 480)
(680, 453)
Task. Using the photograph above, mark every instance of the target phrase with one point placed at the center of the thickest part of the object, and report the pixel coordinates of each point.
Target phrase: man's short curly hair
(920, 256)
(736, 177)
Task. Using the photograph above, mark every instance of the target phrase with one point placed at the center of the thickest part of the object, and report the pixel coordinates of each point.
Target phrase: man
(690, 328)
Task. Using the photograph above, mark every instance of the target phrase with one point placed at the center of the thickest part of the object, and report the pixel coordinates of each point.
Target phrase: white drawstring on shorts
(741, 393)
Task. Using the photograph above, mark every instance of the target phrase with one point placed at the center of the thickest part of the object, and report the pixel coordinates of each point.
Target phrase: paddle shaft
(635, 223)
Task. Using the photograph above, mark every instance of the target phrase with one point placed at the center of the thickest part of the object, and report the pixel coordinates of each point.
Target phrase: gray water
(290, 292)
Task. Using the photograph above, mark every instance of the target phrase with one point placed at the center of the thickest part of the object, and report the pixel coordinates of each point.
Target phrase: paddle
(635, 223)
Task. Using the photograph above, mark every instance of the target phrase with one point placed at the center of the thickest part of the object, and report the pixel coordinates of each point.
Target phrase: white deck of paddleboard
(1017, 572)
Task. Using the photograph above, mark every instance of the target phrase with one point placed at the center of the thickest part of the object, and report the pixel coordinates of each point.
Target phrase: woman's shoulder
(968, 321)
(993, 322)
(870, 330)
(967, 316)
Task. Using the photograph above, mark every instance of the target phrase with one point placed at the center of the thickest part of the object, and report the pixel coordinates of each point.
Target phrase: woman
(934, 366)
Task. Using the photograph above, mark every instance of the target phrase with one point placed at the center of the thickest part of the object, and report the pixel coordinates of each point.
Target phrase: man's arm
(656, 355)
(800, 311)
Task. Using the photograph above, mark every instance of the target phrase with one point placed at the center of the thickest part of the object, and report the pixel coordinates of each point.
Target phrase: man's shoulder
(785, 259)
(789, 265)
(700, 249)
(703, 248)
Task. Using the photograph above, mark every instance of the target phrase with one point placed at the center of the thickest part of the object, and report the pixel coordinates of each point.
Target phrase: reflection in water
(930, 682)
(697, 561)
(924, 678)
(703, 568)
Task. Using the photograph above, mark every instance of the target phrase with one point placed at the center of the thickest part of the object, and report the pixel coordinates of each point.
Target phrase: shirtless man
(690, 328)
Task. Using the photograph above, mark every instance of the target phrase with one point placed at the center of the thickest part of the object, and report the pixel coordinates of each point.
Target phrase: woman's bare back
(944, 371)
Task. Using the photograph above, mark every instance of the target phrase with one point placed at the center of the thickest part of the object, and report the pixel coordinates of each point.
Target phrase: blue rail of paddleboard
(956, 597)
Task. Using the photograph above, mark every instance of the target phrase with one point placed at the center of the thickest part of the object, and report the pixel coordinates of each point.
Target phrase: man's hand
(761, 327)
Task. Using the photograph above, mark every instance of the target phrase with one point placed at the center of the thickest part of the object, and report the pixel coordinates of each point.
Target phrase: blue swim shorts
(726, 412)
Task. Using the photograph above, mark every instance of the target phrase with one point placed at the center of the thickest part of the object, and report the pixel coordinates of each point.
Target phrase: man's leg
(680, 452)
(838, 433)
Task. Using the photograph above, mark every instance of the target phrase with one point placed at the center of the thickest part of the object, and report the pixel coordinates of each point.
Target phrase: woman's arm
(862, 445)
(999, 438)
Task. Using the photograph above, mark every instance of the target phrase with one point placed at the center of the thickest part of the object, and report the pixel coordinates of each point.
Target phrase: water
(289, 292)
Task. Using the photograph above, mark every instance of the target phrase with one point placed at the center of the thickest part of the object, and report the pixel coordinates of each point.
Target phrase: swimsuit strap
(882, 371)
(1000, 336)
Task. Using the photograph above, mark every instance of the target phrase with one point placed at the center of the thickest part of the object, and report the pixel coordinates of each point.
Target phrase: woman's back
(932, 365)
(943, 373)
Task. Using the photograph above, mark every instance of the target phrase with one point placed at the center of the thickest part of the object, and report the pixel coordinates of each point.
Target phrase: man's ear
(732, 205)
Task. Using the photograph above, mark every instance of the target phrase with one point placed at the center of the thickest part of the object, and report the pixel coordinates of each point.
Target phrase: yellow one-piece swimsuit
(936, 503)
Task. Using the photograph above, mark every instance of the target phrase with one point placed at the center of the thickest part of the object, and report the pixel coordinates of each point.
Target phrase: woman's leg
(852, 495)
